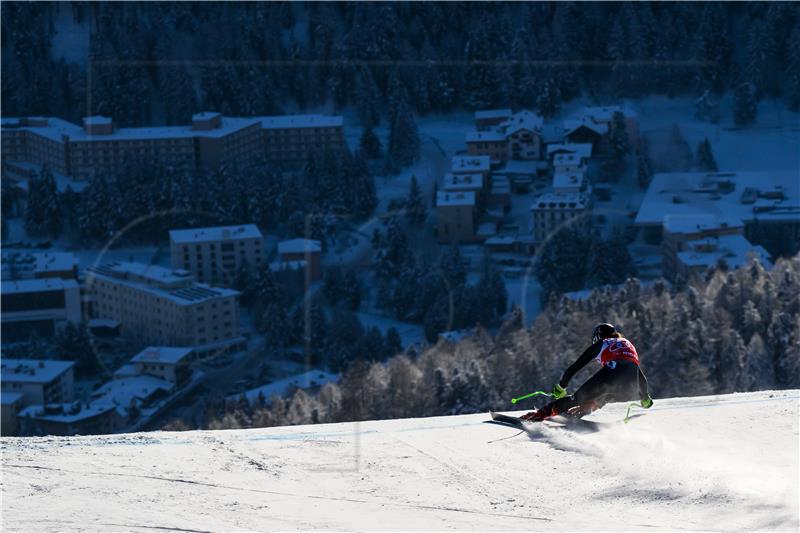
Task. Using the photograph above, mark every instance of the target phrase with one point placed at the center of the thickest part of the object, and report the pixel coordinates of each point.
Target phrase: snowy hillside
(719, 463)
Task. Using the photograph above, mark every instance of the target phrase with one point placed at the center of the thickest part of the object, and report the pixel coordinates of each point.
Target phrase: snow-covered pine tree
(704, 157)
(404, 141)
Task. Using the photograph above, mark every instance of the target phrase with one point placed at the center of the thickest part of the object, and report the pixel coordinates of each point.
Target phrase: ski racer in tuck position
(620, 378)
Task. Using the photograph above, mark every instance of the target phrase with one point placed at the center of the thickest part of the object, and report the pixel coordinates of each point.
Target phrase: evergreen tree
(352, 290)
(704, 158)
(370, 145)
(416, 212)
(404, 142)
(619, 136)
(73, 343)
(394, 343)
(744, 104)
(42, 216)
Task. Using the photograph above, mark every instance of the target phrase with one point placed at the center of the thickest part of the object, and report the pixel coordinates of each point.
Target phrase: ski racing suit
(620, 379)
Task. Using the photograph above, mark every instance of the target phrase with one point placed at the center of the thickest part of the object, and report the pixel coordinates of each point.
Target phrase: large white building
(552, 211)
(761, 203)
(38, 306)
(211, 140)
(165, 307)
(39, 381)
(214, 255)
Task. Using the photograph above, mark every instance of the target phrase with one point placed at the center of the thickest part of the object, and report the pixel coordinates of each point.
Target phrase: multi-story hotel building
(551, 211)
(165, 307)
(214, 255)
(211, 140)
(38, 306)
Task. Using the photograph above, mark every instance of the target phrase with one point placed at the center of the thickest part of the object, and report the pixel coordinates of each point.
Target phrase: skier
(619, 379)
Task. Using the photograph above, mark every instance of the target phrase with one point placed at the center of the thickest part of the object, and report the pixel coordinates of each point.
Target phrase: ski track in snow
(722, 463)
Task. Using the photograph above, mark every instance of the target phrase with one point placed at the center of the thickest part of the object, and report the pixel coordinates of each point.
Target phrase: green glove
(647, 402)
(559, 391)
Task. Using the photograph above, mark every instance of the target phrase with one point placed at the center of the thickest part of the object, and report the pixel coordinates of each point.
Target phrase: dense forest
(157, 62)
(728, 332)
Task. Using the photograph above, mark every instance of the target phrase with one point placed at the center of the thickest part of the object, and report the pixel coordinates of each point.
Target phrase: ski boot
(537, 416)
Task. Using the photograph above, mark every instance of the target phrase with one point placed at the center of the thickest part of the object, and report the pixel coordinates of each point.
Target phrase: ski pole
(628, 412)
(537, 393)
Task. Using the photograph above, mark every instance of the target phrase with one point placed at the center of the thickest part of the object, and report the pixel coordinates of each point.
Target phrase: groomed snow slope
(722, 463)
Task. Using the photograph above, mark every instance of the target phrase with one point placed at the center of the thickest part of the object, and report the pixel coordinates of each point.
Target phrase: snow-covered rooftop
(30, 264)
(97, 120)
(299, 246)
(37, 285)
(567, 179)
(301, 121)
(283, 387)
(732, 196)
(488, 114)
(169, 355)
(485, 136)
(461, 164)
(123, 391)
(695, 223)
(570, 125)
(522, 120)
(176, 285)
(55, 128)
(449, 199)
(65, 413)
(462, 182)
(582, 150)
(555, 200)
(522, 167)
(40, 371)
(566, 160)
(283, 266)
(735, 250)
(217, 233)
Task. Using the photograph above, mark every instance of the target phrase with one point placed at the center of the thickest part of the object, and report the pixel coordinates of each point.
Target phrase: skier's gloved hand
(647, 402)
(559, 391)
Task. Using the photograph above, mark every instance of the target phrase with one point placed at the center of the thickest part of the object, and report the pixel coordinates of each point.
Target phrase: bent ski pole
(537, 393)
(628, 412)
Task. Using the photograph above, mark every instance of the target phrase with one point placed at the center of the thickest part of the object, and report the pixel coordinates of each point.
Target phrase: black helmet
(602, 331)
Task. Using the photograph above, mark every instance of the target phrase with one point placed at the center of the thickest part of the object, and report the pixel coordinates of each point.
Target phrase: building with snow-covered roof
(471, 164)
(307, 250)
(567, 180)
(211, 140)
(39, 265)
(39, 381)
(170, 363)
(584, 130)
(605, 115)
(727, 252)
(141, 391)
(66, 419)
(38, 306)
(581, 150)
(766, 203)
(165, 307)
(309, 381)
(551, 211)
(488, 118)
(500, 195)
(493, 144)
(463, 182)
(215, 255)
(455, 216)
(517, 136)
